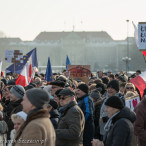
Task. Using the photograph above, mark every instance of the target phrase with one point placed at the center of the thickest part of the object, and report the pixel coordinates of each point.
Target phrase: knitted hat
(114, 84)
(66, 92)
(22, 114)
(83, 87)
(37, 97)
(115, 102)
(95, 94)
(18, 91)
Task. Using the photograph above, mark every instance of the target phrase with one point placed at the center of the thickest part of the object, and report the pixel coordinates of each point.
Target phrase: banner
(132, 102)
(79, 72)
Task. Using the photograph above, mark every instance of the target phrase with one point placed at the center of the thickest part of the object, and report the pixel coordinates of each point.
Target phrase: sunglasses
(129, 87)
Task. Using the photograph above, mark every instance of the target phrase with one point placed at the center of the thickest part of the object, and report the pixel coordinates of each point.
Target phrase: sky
(27, 18)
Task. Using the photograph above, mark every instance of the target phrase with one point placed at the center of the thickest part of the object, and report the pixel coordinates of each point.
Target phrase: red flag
(140, 82)
(26, 74)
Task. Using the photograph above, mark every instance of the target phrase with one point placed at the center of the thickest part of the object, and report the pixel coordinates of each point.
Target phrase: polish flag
(140, 82)
(26, 75)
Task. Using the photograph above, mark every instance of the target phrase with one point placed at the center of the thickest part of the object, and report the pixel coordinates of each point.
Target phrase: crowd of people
(70, 112)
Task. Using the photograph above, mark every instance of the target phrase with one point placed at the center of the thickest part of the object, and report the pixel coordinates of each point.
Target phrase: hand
(97, 142)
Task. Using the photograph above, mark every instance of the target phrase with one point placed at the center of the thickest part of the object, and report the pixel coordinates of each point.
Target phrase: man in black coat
(119, 128)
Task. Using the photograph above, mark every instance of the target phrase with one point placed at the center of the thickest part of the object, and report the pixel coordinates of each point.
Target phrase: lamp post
(126, 60)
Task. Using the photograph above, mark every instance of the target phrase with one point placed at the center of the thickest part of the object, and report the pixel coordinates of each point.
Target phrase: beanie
(115, 102)
(22, 114)
(114, 84)
(95, 94)
(83, 87)
(37, 97)
(18, 91)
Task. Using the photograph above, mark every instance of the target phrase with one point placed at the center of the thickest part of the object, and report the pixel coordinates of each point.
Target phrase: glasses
(129, 88)
(63, 98)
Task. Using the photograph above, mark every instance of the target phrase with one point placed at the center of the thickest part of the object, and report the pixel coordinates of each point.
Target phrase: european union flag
(67, 62)
(49, 75)
(19, 66)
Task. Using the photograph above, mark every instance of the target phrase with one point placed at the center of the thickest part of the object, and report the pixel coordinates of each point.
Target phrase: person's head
(56, 96)
(100, 74)
(113, 87)
(105, 80)
(18, 119)
(101, 87)
(92, 87)
(95, 95)
(35, 98)
(111, 77)
(122, 88)
(122, 78)
(113, 105)
(138, 72)
(129, 87)
(16, 93)
(56, 85)
(38, 82)
(82, 90)
(66, 96)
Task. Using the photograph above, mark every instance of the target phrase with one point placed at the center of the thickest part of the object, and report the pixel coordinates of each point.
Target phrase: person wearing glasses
(71, 123)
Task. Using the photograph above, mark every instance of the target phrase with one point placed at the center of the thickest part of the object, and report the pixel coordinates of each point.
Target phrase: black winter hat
(37, 97)
(83, 87)
(58, 83)
(114, 84)
(115, 102)
(66, 92)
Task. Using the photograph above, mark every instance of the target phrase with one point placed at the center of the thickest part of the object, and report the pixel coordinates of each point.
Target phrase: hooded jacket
(121, 130)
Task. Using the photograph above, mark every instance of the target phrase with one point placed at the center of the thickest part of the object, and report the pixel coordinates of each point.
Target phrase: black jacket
(54, 117)
(121, 131)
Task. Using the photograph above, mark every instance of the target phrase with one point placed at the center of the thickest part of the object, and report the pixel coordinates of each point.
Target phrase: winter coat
(37, 130)
(87, 106)
(12, 136)
(14, 108)
(103, 115)
(121, 130)
(140, 123)
(71, 125)
(54, 117)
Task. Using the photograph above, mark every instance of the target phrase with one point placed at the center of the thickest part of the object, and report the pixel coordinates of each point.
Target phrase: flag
(140, 82)
(135, 33)
(49, 75)
(0, 67)
(26, 74)
(67, 62)
(19, 66)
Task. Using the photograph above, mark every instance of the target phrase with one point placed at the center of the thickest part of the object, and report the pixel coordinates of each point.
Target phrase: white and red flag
(26, 75)
(140, 82)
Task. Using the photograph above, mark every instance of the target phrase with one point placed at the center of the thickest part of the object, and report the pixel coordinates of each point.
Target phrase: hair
(16, 117)
(91, 87)
(131, 85)
(98, 81)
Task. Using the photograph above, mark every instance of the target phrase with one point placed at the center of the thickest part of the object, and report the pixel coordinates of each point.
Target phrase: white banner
(132, 102)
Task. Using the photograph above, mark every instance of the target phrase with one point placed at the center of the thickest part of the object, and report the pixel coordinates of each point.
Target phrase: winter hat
(66, 92)
(101, 88)
(22, 114)
(95, 94)
(115, 102)
(83, 87)
(58, 83)
(18, 91)
(123, 78)
(114, 84)
(37, 97)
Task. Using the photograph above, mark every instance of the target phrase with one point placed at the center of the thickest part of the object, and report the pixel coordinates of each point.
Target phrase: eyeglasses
(129, 88)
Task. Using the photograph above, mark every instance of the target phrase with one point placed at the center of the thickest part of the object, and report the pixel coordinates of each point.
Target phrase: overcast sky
(27, 18)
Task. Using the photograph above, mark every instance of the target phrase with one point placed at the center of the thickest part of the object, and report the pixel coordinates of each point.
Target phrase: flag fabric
(135, 33)
(140, 82)
(0, 67)
(19, 66)
(49, 75)
(67, 62)
(26, 74)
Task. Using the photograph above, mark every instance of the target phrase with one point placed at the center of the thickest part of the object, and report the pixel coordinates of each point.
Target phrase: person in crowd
(111, 77)
(119, 128)
(92, 87)
(122, 88)
(130, 87)
(16, 96)
(96, 81)
(38, 82)
(71, 124)
(18, 119)
(100, 74)
(86, 104)
(105, 80)
(138, 72)
(54, 114)
(102, 88)
(96, 97)
(56, 85)
(122, 78)
(140, 123)
(112, 90)
(38, 127)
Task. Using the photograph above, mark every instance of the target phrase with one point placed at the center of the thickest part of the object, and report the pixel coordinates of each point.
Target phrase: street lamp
(126, 60)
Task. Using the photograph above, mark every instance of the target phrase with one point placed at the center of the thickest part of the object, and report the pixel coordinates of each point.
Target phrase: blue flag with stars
(19, 66)
(49, 75)
(67, 62)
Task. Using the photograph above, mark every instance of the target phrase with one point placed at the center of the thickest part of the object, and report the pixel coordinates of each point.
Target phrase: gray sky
(27, 18)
